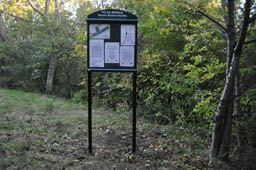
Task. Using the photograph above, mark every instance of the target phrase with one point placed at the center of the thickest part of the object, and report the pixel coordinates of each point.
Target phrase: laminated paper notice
(127, 34)
(127, 56)
(112, 52)
(96, 53)
(99, 31)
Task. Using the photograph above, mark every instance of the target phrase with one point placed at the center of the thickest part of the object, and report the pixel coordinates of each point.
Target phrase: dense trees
(223, 125)
(196, 58)
(235, 33)
(35, 38)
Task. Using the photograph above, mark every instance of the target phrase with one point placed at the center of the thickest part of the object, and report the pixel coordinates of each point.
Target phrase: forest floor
(40, 132)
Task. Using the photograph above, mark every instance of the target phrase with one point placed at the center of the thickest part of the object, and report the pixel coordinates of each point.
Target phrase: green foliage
(180, 67)
(25, 56)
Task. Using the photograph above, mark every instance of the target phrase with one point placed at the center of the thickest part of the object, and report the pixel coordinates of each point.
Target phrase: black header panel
(112, 14)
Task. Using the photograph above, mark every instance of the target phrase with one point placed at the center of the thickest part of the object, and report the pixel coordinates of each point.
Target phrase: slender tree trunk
(53, 62)
(227, 131)
(238, 109)
(50, 75)
(222, 128)
(3, 29)
(221, 132)
(3, 25)
(227, 118)
(58, 12)
(46, 9)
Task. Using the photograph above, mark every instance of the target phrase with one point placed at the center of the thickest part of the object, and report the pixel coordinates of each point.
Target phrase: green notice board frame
(111, 47)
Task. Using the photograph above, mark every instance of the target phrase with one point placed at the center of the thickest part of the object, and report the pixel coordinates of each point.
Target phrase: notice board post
(111, 47)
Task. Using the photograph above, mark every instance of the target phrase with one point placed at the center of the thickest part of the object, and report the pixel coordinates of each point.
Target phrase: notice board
(112, 41)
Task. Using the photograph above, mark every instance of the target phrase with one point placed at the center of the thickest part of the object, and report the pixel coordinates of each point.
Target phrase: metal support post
(90, 111)
(134, 114)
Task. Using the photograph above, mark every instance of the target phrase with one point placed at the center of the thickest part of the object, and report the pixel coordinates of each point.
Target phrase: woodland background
(182, 60)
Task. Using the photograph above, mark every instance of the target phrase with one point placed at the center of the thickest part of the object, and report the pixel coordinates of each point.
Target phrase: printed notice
(127, 34)
(99, 31)
(112, 52)
(127, 56)
(96, 53)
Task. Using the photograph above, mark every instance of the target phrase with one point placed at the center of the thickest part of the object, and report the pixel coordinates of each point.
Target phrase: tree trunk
(46, 9)
(3, 25)
(50, 75)
(58, 12)
(227, 130)
(238, 109)
(3, 29)
(222, 126)
(221, 136)
(227, 118)
(53, 62)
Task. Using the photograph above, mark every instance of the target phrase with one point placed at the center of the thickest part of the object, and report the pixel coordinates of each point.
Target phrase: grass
(36, 131)
(40, 132)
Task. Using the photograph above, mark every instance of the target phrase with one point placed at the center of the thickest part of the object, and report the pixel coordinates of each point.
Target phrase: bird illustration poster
(99, 31)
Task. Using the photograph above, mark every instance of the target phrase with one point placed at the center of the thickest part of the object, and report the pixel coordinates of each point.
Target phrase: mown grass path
(39, 132)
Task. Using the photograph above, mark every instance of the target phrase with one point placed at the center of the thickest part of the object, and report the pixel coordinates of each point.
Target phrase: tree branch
(37, 10)
(253, 18)
(14, 16)
(245, 92)
(250, 41)
(223, 28)
(246, 19)
(2, 37)
(223, 7)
